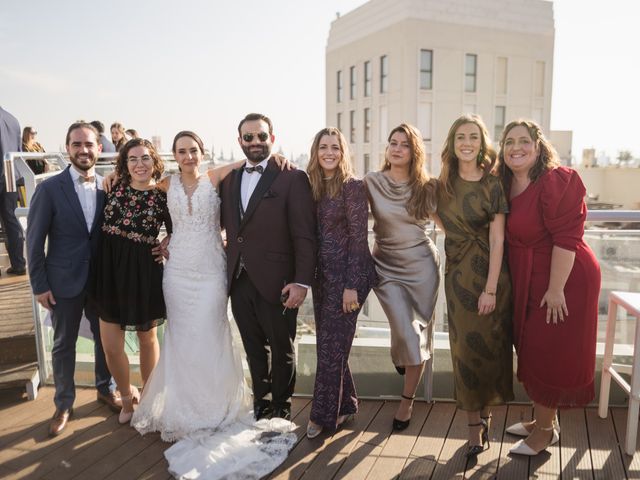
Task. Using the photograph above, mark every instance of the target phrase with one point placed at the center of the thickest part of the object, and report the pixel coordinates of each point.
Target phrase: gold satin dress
(408, 264)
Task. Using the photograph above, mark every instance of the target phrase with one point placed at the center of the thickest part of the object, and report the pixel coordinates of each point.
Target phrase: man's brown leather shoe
(112, 400)
(59, 421)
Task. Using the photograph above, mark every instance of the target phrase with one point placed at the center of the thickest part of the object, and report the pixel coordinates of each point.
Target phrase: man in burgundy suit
(269, 218)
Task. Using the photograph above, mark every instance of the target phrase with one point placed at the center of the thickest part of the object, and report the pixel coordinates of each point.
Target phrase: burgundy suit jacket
(276, 235)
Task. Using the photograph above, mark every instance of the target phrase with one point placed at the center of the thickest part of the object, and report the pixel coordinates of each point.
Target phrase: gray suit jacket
(10, 138)
(55, 213)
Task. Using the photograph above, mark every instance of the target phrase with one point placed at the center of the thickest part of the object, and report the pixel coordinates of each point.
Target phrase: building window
(352, 126)
(470, 72)
(498, 123)
(501, 75)
(367, 163)
(367, 124)
(352, 83)
(339, 85)
(367, 79)
(384, 74)
(426, 69)
(339, 121)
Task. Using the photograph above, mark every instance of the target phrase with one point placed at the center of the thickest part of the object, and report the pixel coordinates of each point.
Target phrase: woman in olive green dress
(471, 211)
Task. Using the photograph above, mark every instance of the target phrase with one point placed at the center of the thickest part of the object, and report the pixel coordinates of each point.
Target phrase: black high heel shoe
(477, 449)
(399, 425)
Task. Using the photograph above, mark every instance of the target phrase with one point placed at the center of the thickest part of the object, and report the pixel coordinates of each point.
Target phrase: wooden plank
(575, 458)
(513, 466)
(426, 451)
(605, 457)
(17, 375)
(631, 463)
(157, 472)
(546, 465)
(142, 462)
(35, 443)
(485, 465)
(342, 442)
(70, 454)
(302, 454)
(452, 460)
(379, 430)
(125, 445)
(398, 446)
(359, 463)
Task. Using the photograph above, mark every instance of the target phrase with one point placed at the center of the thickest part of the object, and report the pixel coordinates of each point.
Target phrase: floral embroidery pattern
(135, 214)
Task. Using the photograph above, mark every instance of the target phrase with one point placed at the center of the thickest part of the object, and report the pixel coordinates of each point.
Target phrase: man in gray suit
(67, 210)
(107, 145)
(10, 141)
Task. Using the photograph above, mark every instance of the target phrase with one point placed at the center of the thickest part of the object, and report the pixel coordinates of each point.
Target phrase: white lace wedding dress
(197, 393)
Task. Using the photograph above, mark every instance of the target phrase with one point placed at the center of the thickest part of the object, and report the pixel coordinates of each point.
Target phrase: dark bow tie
(86, 179)
(257, 168)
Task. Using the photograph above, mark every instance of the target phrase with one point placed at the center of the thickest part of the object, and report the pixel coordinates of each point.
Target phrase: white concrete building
(426, 62)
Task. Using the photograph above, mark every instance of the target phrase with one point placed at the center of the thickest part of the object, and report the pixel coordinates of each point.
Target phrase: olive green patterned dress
(481, 349)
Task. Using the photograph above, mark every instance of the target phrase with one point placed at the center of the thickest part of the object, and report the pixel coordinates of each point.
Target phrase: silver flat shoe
(313, 430)
(521, 448)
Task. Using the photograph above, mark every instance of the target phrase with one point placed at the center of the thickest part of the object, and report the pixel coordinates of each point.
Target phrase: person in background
(345, 274)
(402, 196)
(107, 146)
(10, 142)
(132, 133)
(555, 278)
(118, 135)
(471, 212)
(29, 144)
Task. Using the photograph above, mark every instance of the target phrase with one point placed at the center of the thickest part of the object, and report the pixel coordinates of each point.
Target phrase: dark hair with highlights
(424, 189)
(486, 157)
(122, 170)
(332, 187)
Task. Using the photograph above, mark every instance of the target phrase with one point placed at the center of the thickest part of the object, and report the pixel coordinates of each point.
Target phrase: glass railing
(617, 250)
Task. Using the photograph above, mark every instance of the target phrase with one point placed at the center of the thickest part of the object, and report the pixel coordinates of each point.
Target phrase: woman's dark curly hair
(122, 170)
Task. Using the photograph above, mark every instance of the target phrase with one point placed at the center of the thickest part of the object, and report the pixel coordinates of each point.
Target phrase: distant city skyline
(161, 66)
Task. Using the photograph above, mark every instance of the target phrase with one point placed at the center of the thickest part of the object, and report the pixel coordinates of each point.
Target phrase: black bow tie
(257, 168)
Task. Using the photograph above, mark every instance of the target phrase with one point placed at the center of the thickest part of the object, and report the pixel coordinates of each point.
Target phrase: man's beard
(256, 156)
(83, 165)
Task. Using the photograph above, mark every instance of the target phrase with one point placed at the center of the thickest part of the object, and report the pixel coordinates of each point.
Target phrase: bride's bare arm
(216, 175)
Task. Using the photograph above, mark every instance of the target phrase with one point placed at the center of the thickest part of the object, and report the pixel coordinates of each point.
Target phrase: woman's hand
(486, 303)
(282, 162)
(350, 301)
(161, 251)
(556, 305)
(109, 181)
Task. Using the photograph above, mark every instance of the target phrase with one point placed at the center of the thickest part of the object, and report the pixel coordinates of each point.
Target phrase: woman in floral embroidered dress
(128, 285)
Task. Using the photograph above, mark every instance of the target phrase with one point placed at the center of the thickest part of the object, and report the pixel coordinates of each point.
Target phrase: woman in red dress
(555, 278)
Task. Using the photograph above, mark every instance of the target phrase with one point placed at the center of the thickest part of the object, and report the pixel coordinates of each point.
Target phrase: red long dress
(556, 363)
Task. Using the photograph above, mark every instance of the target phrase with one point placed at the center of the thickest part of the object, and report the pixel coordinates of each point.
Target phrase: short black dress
(128, 281)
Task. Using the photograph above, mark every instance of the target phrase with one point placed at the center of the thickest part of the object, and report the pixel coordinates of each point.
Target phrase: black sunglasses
(262, 136)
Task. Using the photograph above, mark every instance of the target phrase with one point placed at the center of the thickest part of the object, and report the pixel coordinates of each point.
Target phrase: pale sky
(161, 66)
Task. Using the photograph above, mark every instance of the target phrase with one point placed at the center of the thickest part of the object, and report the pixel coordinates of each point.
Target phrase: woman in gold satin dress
(402, 196)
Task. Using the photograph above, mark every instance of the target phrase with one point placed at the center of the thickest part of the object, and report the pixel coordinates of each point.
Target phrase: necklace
(192, 186)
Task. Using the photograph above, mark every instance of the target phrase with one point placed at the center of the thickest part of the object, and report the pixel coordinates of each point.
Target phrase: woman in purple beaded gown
(345, 275)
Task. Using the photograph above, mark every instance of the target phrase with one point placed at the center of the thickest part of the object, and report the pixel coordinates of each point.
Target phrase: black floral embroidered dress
(128, 286)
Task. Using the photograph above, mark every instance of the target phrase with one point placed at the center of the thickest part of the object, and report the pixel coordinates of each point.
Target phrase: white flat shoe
(521, 448)
(313, 430)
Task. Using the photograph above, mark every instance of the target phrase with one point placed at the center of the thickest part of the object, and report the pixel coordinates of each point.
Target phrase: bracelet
(493, 294)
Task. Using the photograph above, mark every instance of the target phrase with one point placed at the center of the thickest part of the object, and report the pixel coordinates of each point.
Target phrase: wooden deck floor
(95, 446)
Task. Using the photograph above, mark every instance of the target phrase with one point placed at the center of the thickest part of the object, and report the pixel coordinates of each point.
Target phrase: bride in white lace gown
(197, 394)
